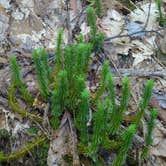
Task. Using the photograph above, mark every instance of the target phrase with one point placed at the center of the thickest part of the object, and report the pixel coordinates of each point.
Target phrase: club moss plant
(70, 93)
(127, 137)
(148, 136)
(98, 7)
(96, 38)
(42, 71)
(161, 18)
(18, 81)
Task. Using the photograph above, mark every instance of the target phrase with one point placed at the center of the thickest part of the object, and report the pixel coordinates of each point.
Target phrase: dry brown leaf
(64, 144)
(73, 4)
(2, 119)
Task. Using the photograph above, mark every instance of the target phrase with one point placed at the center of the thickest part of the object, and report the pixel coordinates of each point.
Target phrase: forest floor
(135, 45)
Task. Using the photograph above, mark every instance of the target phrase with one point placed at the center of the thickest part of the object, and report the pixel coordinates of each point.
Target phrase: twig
(45, 122)
(78, 16)
(147, 20)
(68, 26)
(141, 73)
(159, 62)
(134, 33)
(45, 132)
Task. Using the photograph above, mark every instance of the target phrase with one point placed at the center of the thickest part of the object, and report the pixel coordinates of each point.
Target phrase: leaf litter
(130, 44)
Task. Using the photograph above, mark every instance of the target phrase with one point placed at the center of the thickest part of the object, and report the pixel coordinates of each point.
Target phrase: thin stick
(140, 73)
(68, 26)
(134, 33)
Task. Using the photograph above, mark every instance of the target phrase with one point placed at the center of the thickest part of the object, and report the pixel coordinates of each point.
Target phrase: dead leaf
(63, 147)
(158, 101)
(2, 119)
(73, 4)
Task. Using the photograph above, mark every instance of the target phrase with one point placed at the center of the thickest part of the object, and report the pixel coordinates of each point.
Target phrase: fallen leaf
(158, 101)
(63, 147)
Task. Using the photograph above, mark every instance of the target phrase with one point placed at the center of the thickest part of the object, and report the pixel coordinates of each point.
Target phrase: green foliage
(18, 81)
(59, 97)
(125, 95)
(100, 126)
(127, 3)
(80, 38)
(80, 86)
(162, 20)
(45, 64)
(82, 116)
(33, 130)
(58, 57)
(98, 7)
(111, 88)
(98, 42)
(91, 18)
(16, 108)
(41, 153)
(69, 93)
(3, 157)
(28, 147)
(144, 102)
(148, 136)
(42, 71)
(4, 134)
(127, 136)
(103, 81)
(95, 38)
(76, 59)
(118, 111)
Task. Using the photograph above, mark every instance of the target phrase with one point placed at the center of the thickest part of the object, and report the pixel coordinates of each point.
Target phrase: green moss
(18, 81)
(68, 159)
(118, 111)
(103, 82)
(161, 19)
(33, 130)
(28, 147)
(4, 134)
(127, 136)
(3, 157)
(129, 4)
(96, 38)
(144, 102)
(148, 137)
(82, 116)
(15, 106)
(41, 153)
(42, 72)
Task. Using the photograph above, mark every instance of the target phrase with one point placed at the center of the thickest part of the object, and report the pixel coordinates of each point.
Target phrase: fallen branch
(134, 33)
(140, 73)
